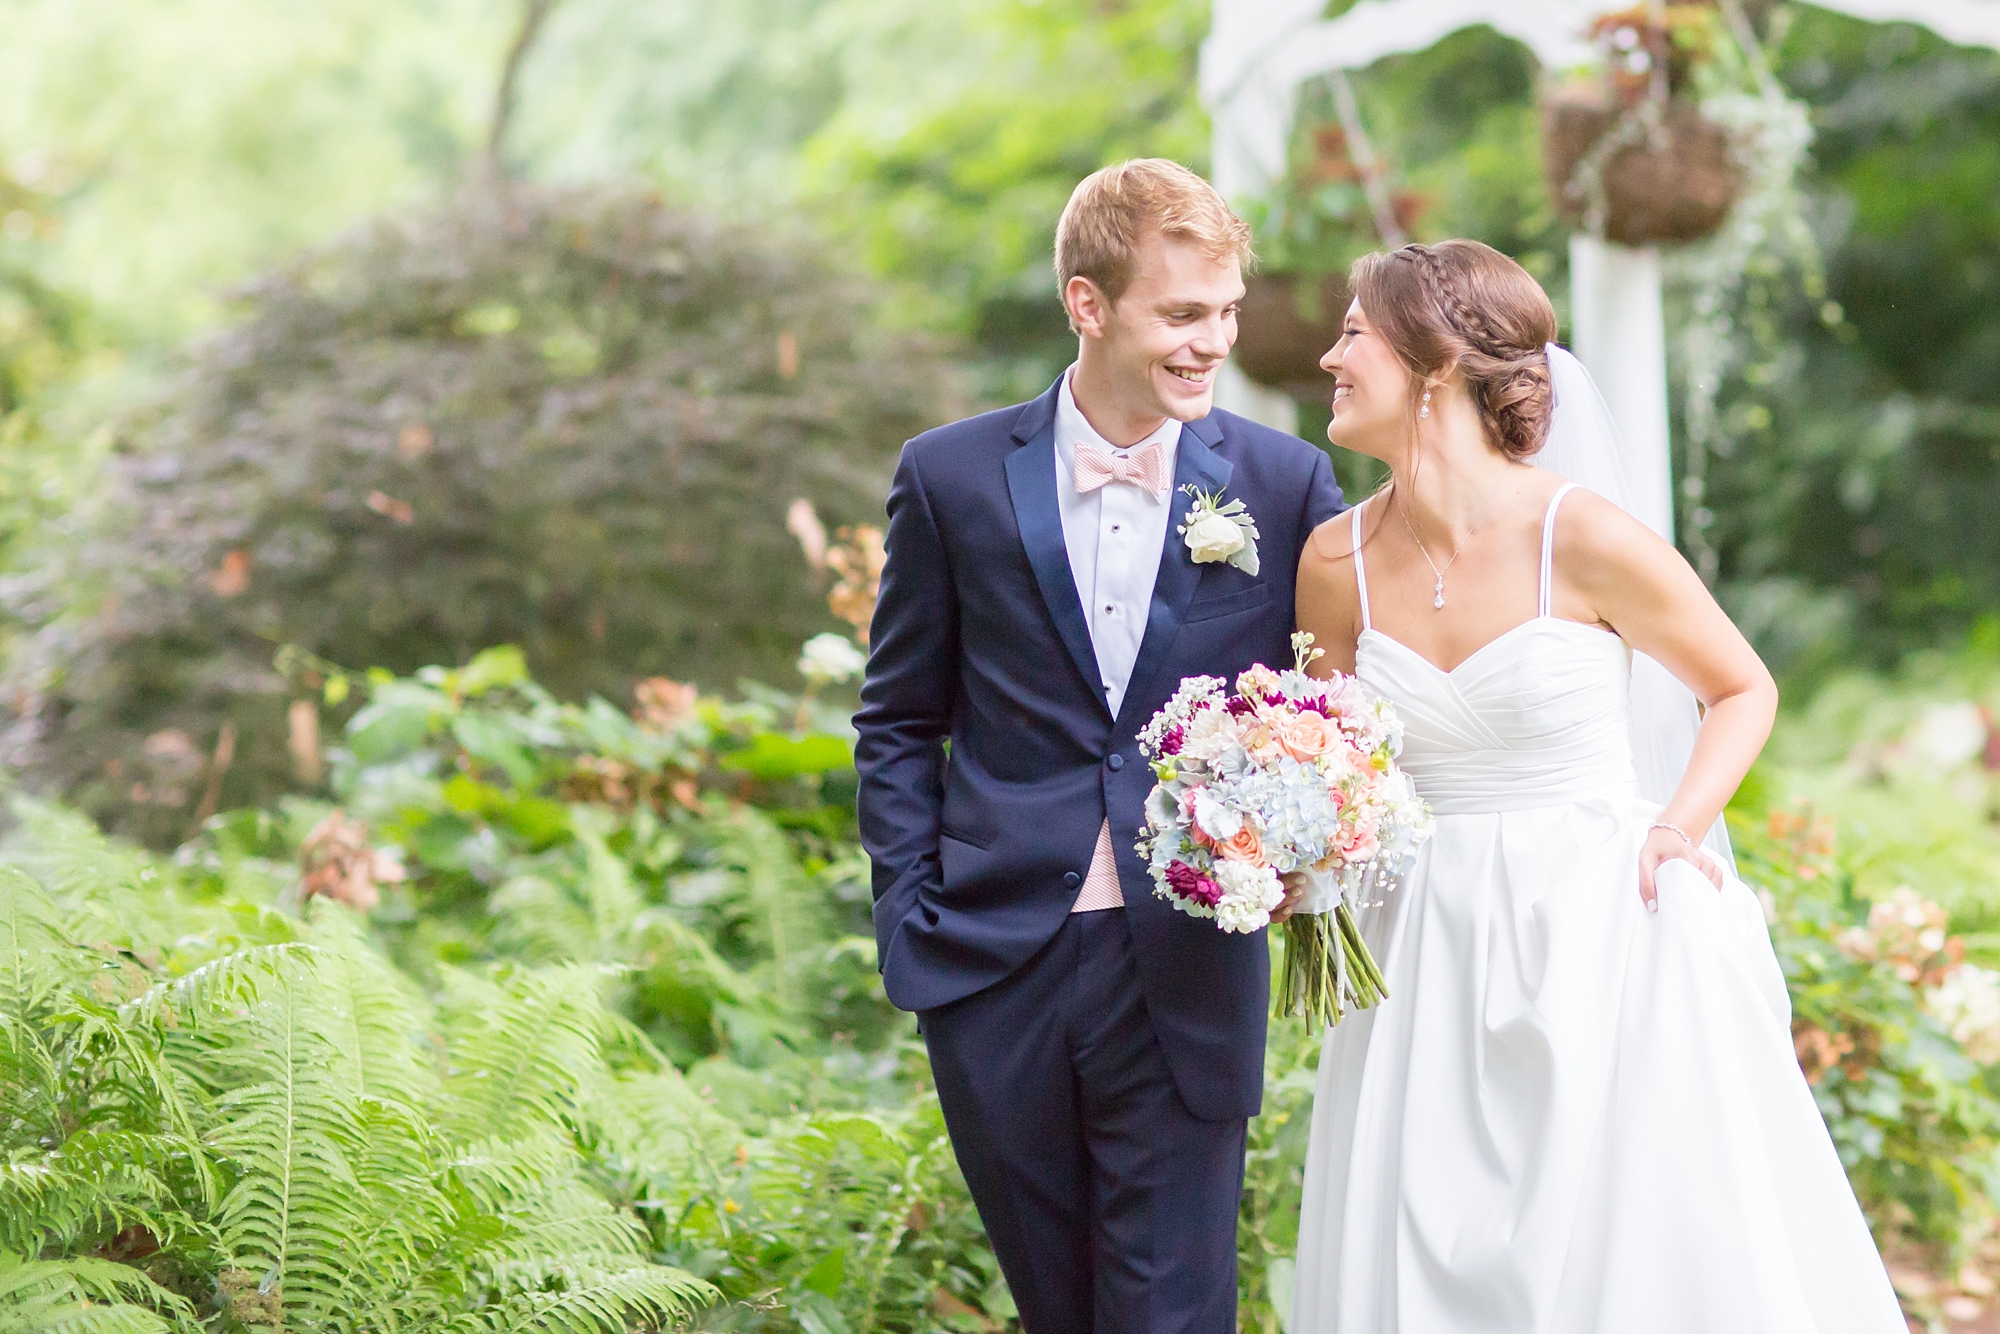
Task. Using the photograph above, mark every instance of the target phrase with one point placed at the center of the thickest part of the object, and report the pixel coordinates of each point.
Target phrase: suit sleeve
(906, 705)
(1323, 498)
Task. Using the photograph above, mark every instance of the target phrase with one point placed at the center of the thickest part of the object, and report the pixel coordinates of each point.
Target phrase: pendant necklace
(1438, 601)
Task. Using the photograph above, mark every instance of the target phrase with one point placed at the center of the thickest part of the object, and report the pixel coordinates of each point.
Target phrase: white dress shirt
(1115, 536)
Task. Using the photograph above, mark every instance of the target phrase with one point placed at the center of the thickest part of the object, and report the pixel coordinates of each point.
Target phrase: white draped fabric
(1570, 1116)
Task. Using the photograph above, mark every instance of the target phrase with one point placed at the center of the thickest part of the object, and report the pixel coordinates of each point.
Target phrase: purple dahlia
(1189, 883)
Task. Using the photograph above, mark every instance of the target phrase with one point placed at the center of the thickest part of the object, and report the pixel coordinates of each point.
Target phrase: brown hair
(1113, 210)
(1464, 306)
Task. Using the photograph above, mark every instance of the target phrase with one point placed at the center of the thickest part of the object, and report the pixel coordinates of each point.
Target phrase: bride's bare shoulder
(1599, 546)
(1332, 543)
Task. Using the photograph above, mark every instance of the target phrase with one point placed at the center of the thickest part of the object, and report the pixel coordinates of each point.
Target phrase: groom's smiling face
(1157, 348)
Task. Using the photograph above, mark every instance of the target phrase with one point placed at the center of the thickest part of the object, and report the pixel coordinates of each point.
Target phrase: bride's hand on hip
(1664, 845)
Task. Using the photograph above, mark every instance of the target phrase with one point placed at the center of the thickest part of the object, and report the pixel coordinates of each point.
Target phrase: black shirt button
(1115, 762)
(1072, 880)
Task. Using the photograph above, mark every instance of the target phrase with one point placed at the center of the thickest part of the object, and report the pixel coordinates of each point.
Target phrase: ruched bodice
(1534, 718)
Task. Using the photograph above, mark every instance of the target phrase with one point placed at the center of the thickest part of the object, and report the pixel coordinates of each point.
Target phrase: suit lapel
(1031, 482)
(1195, 463)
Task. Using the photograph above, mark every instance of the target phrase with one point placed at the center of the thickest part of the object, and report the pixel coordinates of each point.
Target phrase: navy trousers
(1110, 1206)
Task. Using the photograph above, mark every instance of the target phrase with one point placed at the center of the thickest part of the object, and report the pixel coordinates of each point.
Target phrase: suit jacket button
(1072, 880)
(1114, 762)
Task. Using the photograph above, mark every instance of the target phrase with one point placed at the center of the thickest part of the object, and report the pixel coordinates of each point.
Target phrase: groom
(1097, 1053)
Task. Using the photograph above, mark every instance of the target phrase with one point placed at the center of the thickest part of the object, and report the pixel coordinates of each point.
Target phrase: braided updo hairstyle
(1461, 305)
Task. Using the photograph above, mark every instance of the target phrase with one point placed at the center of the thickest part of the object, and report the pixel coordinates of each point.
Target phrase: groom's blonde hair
(1113, 211)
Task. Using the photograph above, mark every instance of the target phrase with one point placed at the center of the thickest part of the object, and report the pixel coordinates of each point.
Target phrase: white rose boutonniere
(1215, 531)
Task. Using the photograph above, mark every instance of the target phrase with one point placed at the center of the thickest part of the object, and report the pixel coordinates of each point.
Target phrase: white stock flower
(1212, 537)
(1249, 893)
(830, 657)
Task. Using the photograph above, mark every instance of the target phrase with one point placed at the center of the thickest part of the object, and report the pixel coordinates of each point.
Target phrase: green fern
(84, 1296)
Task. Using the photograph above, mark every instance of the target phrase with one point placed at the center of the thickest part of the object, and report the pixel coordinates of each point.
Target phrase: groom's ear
(1089, 309)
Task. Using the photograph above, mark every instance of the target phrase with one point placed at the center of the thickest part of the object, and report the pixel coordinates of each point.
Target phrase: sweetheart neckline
(1494, 642)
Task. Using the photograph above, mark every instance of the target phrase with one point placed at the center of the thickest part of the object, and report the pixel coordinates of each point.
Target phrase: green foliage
(501, 1110)
(568, 419)
(623, 1013)
(267, 1124)
(188, 147)
(950, 185)
(1902, 764)
(1854, 486)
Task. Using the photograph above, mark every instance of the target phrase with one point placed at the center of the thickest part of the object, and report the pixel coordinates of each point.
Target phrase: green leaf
(395, 720)
(773, 756)
(817, 1314)
(491, 669)
(495, 741)
(826, 1276)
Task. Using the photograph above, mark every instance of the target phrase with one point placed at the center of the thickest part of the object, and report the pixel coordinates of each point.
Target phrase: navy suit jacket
(988, 753)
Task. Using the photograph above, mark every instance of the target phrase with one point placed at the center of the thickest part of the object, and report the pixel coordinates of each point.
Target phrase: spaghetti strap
(1360, 573)
(1544, 602)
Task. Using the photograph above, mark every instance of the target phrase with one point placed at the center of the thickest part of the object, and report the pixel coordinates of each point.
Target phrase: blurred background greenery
(378, 335)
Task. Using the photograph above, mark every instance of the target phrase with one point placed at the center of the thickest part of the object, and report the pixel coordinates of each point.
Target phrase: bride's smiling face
(1371, 391)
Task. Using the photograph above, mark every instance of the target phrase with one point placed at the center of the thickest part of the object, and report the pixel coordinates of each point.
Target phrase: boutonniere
(1215, 531)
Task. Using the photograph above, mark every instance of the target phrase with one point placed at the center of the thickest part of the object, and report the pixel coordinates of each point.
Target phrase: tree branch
(533, 14)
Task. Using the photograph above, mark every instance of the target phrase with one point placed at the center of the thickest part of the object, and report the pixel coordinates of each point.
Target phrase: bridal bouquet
(1287, 774)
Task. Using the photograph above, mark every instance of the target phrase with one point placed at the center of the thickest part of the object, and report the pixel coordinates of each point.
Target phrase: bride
(1578, 1111)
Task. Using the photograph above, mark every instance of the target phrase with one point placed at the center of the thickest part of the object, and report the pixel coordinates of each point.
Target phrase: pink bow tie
(1145, 468)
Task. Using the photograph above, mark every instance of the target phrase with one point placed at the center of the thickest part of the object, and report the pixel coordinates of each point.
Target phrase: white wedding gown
(1570, 1116)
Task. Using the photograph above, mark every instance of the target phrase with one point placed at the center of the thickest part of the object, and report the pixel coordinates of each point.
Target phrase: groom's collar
(1038, 416)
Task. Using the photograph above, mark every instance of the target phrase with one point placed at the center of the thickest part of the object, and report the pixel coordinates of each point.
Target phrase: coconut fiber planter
(1283, 331)
(1678, 189)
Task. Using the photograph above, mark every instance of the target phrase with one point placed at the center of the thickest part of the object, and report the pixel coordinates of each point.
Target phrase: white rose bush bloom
(830, 657)
(1967, 1003)
(1288, 774)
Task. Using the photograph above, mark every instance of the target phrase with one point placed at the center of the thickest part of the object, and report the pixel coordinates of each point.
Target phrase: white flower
(1216, 820)
(1219, 532)
(1249, 893)
(1948, 735)
(1968, 1003)
(830, 657)
(1211, 537)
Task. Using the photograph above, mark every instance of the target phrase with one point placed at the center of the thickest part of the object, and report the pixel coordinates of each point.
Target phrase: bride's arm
(1329, 604)
(1613, 569)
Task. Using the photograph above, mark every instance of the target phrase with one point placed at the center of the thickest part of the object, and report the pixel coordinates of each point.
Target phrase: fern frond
(517, 1056)
(37, 1296)
(119, 1318)
(583, 1300)
(99, 1178)
(374, 1021)
(32, 938)
(287, 1128)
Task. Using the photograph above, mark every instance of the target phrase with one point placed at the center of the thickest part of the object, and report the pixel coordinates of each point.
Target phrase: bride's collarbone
(1487, 595)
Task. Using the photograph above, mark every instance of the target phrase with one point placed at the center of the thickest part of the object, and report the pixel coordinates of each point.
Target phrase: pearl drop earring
(1425, 410)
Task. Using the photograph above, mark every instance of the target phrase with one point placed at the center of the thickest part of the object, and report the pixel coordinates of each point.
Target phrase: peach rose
(1308, 735)
(1358, 841)
(1246, 846)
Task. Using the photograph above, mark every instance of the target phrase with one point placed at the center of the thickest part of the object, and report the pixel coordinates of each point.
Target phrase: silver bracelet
(1675, 829)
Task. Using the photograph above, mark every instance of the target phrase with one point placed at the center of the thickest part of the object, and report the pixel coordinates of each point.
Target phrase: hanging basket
(1676, 189)
(1285, 326)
